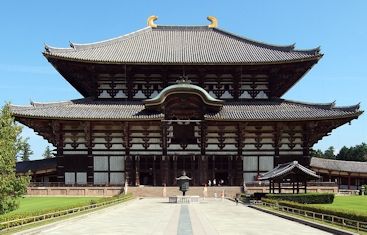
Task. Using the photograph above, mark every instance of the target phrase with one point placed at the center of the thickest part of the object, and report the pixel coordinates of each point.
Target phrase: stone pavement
(156, 216)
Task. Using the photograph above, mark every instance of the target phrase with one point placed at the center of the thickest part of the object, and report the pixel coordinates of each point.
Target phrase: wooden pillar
(164, 170)
(137, 170)
(230, 169)
(297, 187)
(154, 172)
(193, 175)
(204, 169)
(349, 180)
(269, 186)
(175, 169)
(279, 187)
(305, 186)
(213, 168)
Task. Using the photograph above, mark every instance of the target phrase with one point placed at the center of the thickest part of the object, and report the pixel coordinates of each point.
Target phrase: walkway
(155, 216)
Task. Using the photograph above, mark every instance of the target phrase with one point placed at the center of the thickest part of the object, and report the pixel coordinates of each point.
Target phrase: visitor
(209, 183)
(236, 200)
(214, 182)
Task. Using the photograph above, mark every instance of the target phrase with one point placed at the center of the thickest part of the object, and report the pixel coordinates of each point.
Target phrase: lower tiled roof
(338, 165)
(261, 110)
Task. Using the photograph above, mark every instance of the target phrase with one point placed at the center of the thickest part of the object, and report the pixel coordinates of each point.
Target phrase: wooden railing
(44, 217)
(344, 222)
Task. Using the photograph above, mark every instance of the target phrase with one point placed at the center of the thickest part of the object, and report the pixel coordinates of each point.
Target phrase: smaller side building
(42, 172)
(347, 174)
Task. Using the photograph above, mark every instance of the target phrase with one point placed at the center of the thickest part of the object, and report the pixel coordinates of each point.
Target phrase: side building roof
(36, 166)
(261, 110)
(181, 45)
(338, 165)
(283, 170)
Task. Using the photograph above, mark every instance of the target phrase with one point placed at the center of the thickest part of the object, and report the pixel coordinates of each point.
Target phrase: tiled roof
(87, 108)
(280, 109)
(338, 165)
(282, 170)
(265, 110)
(181, 45)
(36, 165)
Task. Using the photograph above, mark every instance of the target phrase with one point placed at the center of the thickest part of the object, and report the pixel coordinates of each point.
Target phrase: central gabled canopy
(185, 89)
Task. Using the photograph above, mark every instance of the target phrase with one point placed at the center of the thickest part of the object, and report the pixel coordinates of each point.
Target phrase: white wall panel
(69, 177)
(250, 163)
(100, 163)
(249, 177)
(266, 163)
(100, 178)
(81, 177)
(117, 163)
(117, 178)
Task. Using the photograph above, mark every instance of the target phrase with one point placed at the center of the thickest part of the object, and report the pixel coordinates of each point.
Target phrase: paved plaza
(156, 216)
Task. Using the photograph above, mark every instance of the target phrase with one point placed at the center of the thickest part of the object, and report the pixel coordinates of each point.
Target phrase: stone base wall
(74, 191)
(150, 191)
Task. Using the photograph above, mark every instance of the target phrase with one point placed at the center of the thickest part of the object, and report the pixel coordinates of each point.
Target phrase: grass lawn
(355, 203)
(39, 204)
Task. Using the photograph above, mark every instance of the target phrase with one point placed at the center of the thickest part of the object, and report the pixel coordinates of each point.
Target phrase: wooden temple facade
(170, 98)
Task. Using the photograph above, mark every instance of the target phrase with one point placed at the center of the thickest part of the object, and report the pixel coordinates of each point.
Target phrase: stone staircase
(150, 191)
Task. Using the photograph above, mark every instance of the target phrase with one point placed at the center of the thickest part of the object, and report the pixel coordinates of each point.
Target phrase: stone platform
(184, 199)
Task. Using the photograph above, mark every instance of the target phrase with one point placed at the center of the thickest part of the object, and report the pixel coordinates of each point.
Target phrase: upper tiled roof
(181, 45)
(266, 110)
(338, 165)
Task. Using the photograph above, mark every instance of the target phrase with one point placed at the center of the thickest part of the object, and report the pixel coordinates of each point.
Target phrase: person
(209, 183)
(236, 200)
(214, 182)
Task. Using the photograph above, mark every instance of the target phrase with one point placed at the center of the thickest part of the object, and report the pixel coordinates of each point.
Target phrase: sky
(338, 27)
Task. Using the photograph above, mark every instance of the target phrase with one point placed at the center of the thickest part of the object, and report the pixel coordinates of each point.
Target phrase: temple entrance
(146, 178)
(221, 178)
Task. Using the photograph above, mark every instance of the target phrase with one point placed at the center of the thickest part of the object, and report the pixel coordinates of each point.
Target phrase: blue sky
(339, 27)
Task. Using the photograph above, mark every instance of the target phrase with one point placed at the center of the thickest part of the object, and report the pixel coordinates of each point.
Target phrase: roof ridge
(288, 48)
(102, 43)
(328, 105)
(336, 160)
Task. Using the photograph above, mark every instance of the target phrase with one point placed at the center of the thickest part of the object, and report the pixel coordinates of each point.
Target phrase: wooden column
(349, 180)
(230, 169)
(137, 170)
(193, 175)
(175, 169)
(89, 144)
(164, 170)
(59, 139)
(129, 160)
(154, 172)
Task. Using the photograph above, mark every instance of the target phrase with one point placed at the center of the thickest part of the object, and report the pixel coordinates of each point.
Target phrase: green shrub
(349, 214)
(308, 198)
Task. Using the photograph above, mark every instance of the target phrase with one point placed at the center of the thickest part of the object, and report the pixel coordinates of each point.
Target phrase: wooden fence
(344, 222)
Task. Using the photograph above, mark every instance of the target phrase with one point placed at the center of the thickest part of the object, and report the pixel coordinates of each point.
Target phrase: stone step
(150, 191)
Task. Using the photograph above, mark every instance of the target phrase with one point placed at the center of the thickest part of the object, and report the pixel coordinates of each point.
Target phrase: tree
(317, 153)
(48, 153)
(329, 153)
(25, 149)
(11, 186)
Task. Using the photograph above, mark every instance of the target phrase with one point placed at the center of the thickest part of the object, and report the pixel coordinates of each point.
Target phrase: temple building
(165, 99)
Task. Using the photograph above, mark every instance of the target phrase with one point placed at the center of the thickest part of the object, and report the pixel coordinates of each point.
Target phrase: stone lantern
(183, 182)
